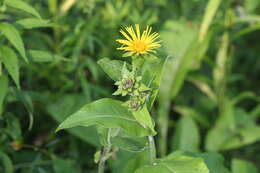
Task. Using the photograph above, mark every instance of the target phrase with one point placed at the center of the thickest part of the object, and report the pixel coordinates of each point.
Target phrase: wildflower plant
(128, 125)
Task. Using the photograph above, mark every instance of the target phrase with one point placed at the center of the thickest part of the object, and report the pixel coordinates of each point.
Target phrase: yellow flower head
(137, 43)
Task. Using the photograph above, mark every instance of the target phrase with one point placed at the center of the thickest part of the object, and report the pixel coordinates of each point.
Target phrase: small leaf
(108, 113)
(113, 68)
(144, 118)
(42, 56)
(3, 90)
(30, 23)
(11, 33)
(11, 63)
(21, 5)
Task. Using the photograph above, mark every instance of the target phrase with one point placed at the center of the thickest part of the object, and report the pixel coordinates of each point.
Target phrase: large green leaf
(176, 164)
(186, 135)
(21, 5)
(11, 33)
(3, 90)
(11, 63)
(242, 166)
(182, 55)
(112, 68)
(108, 113)
(65, 106)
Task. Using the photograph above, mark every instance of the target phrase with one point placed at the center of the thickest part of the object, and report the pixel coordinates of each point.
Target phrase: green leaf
(65, 106)
(113, 68)
(214, 161)
(152, 79)
(242, 166)
(186, 135)
(64, 166)
(251, 5)
(108, 113)
(183, 52)
(21, 5)
(11, 33)
(197, 116)
(233, 129)
(176, 164)
(129, 144)
(42, 56)
(11, 63)
(210, 12)
(137, 162)
(27, 102)
(3, 90)
(30, 23)
(6, 162)
(144, 118)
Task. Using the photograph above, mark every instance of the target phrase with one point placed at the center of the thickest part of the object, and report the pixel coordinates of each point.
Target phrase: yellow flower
(137, 43)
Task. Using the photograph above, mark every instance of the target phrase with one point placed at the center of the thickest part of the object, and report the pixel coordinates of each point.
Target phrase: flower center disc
(140, 46)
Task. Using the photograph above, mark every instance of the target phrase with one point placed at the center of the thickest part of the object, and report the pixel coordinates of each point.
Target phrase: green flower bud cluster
(131, 85)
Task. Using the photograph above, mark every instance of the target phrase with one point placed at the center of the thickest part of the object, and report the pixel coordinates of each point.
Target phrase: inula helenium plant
(128, 125)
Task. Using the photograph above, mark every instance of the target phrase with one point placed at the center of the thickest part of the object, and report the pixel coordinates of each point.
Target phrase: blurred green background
(209, 98)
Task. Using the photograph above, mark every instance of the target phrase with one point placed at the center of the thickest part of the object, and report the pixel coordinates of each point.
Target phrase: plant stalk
(152, 149)
(104, 157)
(105, 154)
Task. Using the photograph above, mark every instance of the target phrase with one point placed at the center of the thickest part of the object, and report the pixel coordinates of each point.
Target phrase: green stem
(105, 154)
(104, 157)
(152, 149)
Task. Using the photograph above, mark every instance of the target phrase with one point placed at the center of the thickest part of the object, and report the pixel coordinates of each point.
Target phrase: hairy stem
(105, 154)
(152, 149)
(102, 162)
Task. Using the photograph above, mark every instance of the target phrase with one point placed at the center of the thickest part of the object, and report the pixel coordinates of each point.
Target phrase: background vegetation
(209, 97)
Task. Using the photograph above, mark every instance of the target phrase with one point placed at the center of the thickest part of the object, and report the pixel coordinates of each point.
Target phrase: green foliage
(174, 164)
(108, 113)
(205, 75)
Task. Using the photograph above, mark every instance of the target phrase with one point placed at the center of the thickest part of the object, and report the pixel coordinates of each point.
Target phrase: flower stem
(152, 149)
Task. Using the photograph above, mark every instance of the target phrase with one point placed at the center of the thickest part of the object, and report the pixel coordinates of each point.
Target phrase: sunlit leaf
(108, 113)
(176, 164)
(11, 63)
(11, 33)
(21, 5)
